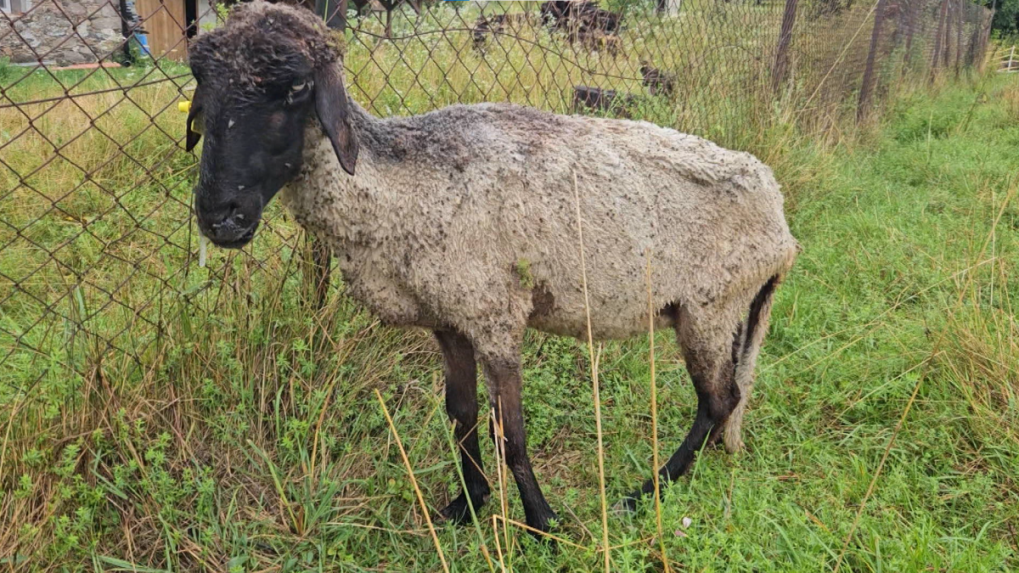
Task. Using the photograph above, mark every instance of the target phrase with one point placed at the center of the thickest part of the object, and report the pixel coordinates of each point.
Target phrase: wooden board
(163, 20)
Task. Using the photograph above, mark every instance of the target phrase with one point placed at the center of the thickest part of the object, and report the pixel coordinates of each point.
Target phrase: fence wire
(97, 247)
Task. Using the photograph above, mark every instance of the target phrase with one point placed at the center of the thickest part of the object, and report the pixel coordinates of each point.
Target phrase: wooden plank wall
(164, 22)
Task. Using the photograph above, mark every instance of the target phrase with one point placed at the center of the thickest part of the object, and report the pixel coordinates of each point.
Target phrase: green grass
(250, 439)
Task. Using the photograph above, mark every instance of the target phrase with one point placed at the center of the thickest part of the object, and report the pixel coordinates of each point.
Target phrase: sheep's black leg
(505, 383)
(462, 408)
(713, 373)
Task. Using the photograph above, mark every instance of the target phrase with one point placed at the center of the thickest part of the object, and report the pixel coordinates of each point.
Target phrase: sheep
(592, 27)
(579, 15)
(483, 27)
(585, 23)
(596, 40)
(590, 16)
(496, 24)
(602, 99)
(554, 13)
(464, 221)
(657, 81)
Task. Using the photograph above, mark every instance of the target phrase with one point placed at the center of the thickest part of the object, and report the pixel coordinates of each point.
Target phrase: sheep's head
(260, 79)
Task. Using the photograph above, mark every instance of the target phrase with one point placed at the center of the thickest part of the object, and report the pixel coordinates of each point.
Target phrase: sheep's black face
(252, 148)
(260, 78)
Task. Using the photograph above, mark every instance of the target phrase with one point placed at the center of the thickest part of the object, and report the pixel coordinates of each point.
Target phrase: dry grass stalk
(498, 546)
(500, 464)
(525, 527)
(453, 450)
(594, 384)
(413, 481)
(654, 415)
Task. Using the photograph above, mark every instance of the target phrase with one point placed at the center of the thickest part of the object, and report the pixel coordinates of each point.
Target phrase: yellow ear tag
(184, 106)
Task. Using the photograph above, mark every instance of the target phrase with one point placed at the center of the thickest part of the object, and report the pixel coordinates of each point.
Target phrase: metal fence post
(985, 38)
(785, 37)
(959, 20)
(958, 40)
(911, 11)
(867, 89)
(974, 40)
(938, 36)
(947, 51)
(902, 16)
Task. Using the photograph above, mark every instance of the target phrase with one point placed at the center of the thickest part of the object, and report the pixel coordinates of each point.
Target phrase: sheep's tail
(746, 348)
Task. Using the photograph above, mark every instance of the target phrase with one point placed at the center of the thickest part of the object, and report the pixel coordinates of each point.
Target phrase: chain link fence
(98, 252)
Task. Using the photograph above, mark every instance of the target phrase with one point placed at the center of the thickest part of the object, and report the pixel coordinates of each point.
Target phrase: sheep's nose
(230, 227)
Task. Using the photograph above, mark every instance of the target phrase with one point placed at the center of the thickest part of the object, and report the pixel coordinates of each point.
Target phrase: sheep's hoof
(628, 504)
(459, 512)
(733, 443)
(544, 527)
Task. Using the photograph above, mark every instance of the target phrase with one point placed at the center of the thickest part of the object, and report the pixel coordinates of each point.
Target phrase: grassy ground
(252, 439)
(257, 442)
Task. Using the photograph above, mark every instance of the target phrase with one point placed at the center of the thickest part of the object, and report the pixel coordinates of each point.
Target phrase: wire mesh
(97, 247)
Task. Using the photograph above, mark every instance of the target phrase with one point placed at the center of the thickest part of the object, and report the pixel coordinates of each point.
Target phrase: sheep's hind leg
(462, 408)
(708, 354)
(750, 341)
(503, 375)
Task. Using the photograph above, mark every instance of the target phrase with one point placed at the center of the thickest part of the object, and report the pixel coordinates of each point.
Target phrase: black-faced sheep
(433, 217)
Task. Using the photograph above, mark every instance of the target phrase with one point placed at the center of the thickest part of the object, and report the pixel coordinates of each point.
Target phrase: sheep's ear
(194, 113)
(334, 115)
(192, 138)
(193, 135)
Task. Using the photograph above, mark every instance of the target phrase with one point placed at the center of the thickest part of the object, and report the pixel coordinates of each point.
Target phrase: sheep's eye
(298, 89)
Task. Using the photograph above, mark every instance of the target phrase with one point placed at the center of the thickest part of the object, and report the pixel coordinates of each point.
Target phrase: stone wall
(45, 32)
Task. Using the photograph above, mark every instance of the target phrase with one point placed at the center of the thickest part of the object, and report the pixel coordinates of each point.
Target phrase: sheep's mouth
(238, 242)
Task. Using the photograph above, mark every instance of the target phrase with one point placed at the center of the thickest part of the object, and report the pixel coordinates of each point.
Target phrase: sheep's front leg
(503, 375)
(462, 408)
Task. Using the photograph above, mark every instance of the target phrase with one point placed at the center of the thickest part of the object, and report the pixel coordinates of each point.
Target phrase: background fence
(98, 253)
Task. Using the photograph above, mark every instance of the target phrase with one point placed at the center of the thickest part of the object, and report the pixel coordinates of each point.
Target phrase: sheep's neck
(377, 138)
(365, 196)
(364, 124)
